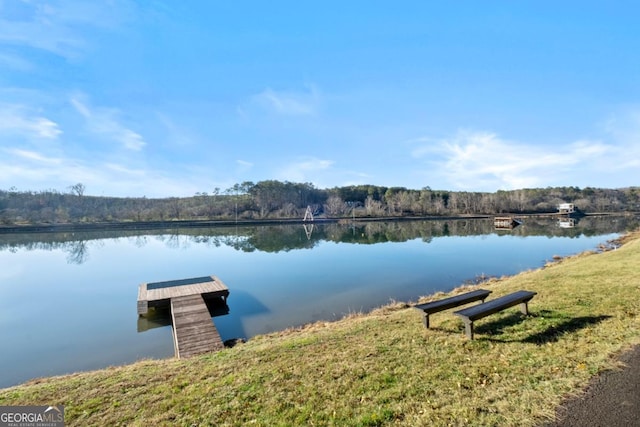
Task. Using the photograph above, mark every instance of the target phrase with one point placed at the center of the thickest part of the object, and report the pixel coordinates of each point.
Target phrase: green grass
(385, 368)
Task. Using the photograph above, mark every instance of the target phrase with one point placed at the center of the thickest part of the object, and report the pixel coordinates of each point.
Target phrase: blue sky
(169, 98)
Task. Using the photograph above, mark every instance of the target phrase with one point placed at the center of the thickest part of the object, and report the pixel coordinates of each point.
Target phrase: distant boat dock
(505, 223)
(193, 330)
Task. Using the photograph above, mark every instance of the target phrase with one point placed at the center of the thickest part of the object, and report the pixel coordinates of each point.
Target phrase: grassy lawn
(385, 368)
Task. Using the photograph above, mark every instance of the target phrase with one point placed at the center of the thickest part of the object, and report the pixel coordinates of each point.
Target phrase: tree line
(272, 199)
(277, 237)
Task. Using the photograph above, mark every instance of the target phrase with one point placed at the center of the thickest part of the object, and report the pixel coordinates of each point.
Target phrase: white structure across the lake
(566, 208)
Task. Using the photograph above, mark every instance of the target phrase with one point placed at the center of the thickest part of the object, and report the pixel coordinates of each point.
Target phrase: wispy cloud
(304, 170)
(175, 133)
(105, 122)
(290, 103)
(244, 163)
(353, 178)
(243, 166)
(30, 169)
(123, 170)
(484, 161)
(624, 129)
(20, 120)
(34, 156)
(38, 170)
(56, 26)
(124, 180)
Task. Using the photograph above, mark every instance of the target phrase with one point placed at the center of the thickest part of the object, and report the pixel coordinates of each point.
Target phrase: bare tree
(373, 207)
(334, 206)
(77, 189)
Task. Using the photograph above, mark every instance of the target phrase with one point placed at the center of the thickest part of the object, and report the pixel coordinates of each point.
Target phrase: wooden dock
(193, 330)
(160, 293)
(505, 223)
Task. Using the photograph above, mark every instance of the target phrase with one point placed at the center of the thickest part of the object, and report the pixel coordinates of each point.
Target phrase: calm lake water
(68, 300)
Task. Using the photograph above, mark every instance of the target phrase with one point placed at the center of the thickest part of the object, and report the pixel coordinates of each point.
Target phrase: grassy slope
(384, 368)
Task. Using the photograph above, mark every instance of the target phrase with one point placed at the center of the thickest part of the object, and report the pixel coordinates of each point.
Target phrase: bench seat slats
(454, 301)
(469, 315)
(496, 305)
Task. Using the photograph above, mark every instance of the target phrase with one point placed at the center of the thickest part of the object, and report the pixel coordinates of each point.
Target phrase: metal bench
(447, 303)
(471, 314)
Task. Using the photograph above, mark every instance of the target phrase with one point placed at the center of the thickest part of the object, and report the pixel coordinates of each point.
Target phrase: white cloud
(624, 129)
(128, 181)
(33, 156)
(353, 178)
(243, 166)
(289, 103)
(105, 122)
(81, 108)
(244, 163)
(35, 170)
(485, 162)
(41, 31)
(18, 120)
(46, 128)
(122, 170)
(130, 139)
(55, 26)
(304, 170)
(175, 133)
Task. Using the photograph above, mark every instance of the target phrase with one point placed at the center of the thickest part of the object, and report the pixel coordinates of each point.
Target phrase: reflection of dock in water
(505, 223)
(193, 329)
(566, 222)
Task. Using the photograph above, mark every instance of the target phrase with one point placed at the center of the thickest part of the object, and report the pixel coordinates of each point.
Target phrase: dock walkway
(193, 330)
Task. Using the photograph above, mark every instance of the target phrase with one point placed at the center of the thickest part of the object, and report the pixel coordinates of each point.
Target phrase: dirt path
(612, 399)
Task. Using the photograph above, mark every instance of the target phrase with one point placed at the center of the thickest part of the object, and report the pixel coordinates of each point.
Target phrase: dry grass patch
(384, 368)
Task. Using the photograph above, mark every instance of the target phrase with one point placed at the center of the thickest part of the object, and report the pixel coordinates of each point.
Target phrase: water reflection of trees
(77, 252)
(279, 238)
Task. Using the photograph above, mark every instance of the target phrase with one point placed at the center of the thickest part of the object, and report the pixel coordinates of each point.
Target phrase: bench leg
(426, 320)
(468, 329)
(524, 308)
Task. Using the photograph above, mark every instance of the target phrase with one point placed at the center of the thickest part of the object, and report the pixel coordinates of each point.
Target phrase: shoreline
(156, 225)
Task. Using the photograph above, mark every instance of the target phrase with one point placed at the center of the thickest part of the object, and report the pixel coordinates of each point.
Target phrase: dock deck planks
(151, 294)
(193, 330)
